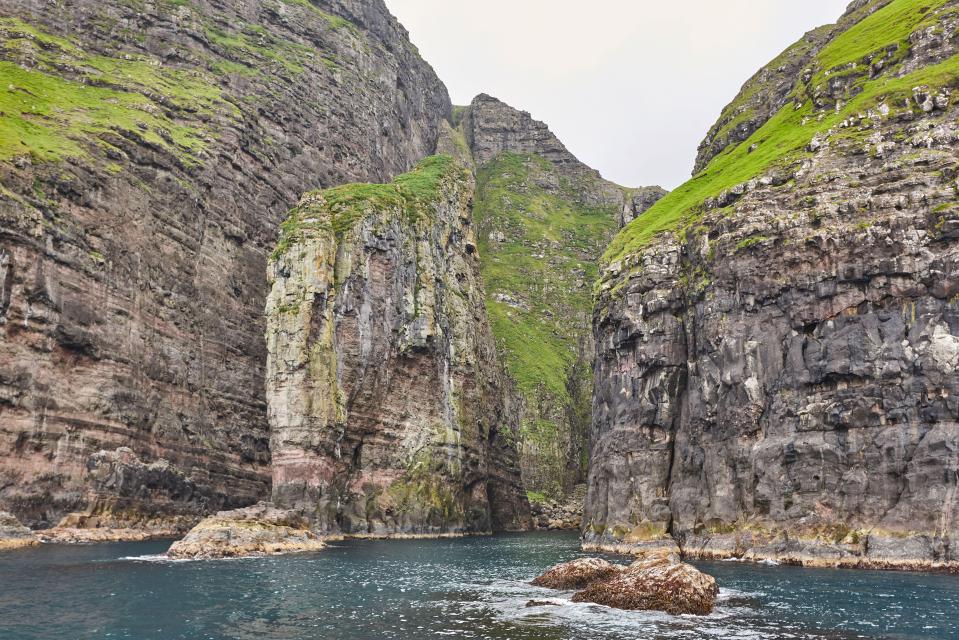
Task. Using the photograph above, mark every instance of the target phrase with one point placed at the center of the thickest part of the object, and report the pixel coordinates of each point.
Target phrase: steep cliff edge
(148, 152)
(543, 220)
(390, 413)
(778, 338)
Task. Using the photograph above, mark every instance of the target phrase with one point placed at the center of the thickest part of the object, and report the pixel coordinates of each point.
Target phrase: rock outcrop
(577, 574)
(390, 413)
(260, 530)
(657, 583)
(660, 583)
(13, 535)
(777, 340)
(148, 153)
(565, 514)
(543, 218)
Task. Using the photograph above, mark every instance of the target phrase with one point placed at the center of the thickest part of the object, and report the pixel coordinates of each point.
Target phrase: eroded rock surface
(151, 150)
(661, 583)
(776, 372)
(254, 531)
(390, 413)
(565, 514)
(13, 535)
(577, 573)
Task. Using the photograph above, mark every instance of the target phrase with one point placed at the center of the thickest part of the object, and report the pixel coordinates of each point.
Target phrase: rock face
(390, 413)
(656, 584)
(13, 535)
(565, 514)
(254, 531)
(777, 342)
(577, 574)
(543, 218)
(148, 152)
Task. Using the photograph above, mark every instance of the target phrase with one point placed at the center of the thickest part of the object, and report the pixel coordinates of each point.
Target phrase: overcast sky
(631, 86)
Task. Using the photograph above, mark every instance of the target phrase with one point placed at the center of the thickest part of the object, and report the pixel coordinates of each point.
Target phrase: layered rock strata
(390, 413)
(148, 152)
(776, 371)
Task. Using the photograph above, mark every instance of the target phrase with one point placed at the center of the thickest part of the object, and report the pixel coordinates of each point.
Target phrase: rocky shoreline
(13, 535)
(872, 552)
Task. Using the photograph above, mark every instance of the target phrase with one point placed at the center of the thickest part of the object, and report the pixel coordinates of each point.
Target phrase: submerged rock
(541, 603)
(577, 574)
(14, 535)
(662, 583)
(255, 531)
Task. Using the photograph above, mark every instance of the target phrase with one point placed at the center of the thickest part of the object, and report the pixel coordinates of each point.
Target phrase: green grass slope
(539, 244)
(784, 139)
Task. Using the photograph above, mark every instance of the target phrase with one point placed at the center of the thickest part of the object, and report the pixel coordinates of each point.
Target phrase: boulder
(254, 531)
(661, 583)
(578, 574)
(14, 535)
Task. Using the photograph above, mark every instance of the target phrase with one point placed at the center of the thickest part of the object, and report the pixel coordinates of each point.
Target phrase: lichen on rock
(390, 413)
(776, 338)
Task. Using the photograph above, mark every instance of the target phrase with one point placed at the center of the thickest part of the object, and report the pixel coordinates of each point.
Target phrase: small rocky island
(255, 531)
(659, 582)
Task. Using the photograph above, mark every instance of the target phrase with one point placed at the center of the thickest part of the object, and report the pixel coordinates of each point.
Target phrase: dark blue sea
(464, 588)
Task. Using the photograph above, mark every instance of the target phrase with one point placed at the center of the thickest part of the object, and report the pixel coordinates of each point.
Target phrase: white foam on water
(508, 600)
(162, 558)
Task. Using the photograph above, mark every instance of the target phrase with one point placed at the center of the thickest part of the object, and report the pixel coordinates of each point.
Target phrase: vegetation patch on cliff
(786, 137)
(339, 208)
(539, 238)
(537, 246)
(58, 101)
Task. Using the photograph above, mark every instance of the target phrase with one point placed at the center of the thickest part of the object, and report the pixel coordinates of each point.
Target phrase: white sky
(630, 86)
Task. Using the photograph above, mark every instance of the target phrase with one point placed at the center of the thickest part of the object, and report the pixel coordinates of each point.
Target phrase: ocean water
(464, 588)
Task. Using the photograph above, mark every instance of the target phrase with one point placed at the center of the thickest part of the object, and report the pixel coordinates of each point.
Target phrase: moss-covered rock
(390, 412)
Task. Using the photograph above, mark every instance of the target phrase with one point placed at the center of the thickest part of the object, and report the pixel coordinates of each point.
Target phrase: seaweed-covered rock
(577, 574)
(13, 535)
(255, 531)
(661, 583)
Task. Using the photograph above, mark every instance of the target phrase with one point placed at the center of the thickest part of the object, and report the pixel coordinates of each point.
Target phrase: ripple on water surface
(463, 588)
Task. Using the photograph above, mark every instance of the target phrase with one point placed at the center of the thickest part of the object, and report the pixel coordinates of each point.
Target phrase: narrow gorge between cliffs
(293, 346)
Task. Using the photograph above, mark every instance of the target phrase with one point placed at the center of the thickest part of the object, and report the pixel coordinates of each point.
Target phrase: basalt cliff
(778, 339)
(148, 153)
(390, 412)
